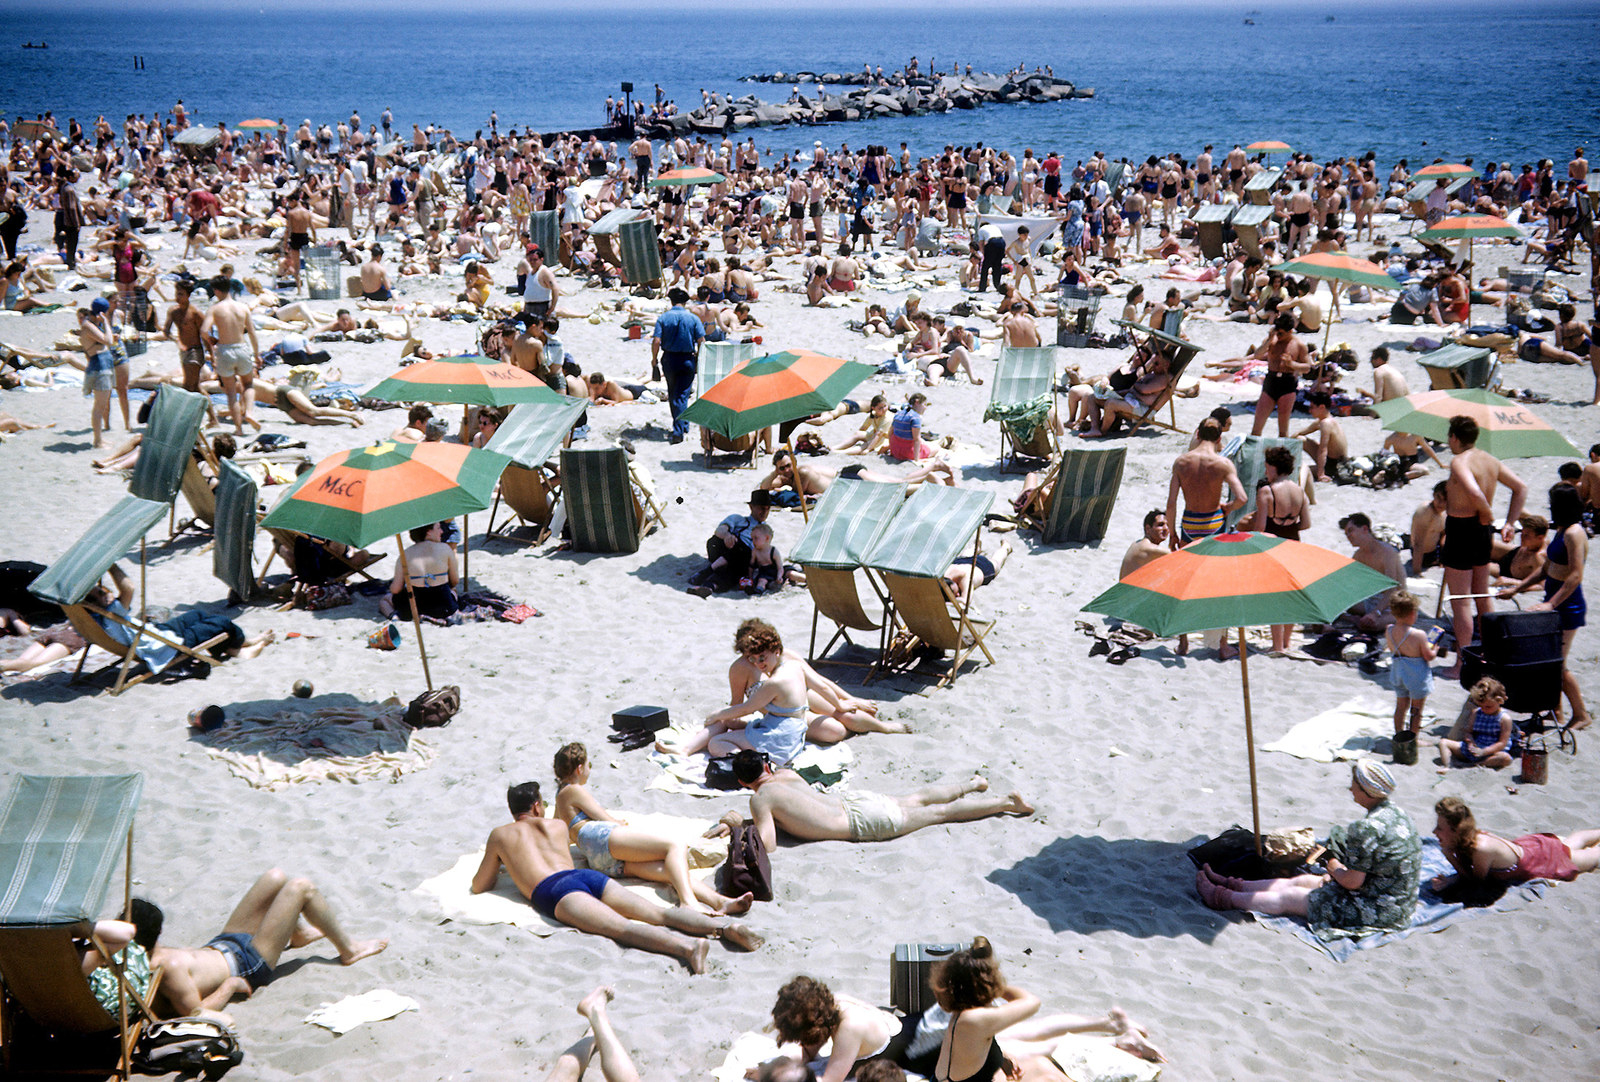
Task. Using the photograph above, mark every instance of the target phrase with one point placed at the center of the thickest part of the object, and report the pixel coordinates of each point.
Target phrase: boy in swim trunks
(534, 852)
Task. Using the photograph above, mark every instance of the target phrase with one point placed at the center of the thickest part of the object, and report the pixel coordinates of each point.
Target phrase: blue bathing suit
(556, 887)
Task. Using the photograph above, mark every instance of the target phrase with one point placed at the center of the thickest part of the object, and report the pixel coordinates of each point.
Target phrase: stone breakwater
(829, 103)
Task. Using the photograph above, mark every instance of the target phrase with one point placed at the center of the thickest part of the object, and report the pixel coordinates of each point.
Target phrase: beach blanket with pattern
(356, 743)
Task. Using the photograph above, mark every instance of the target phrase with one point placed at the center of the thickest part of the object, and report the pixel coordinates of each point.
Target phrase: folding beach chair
(1211, 228)
(309, 564)
(233, 556)
(1246, 224)
(641, 253)
(201, 498)
(544, 229)
(1249, 457)
(1258, 190)
(1179, 351)
(1083, 489)
(59, 843)
(1460, 366)
(1417, 209)
(847, 521)
(717, 361)
(170, 434)
(67, 583)
(911, 556)
(531, 436)
(606, 509)
(1021, 400)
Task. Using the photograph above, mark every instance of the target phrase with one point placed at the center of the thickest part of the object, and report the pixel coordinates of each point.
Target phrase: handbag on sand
(434, 709)
(747, 869)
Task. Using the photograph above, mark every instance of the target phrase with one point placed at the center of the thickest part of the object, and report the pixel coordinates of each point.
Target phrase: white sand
(1090, 902)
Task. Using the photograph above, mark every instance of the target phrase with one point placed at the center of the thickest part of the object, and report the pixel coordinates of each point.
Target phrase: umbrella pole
(800, 487)
(466, 552)
(416, 620)
(1250, 741)
(142, 579)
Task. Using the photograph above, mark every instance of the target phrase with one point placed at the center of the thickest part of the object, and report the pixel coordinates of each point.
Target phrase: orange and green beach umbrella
(1506, 429)
(1241, 580)
(1471, 226)
(773, 389)
(470, 380)
(1270, 146)
(685, 177)
(369, 493)
(258, 124)
(1339, 267)
(1445, 170)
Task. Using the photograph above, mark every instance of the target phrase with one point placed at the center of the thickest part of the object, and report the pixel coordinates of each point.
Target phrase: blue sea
(1415, 80)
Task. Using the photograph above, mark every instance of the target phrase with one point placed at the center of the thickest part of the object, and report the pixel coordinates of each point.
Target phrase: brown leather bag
(434, 709)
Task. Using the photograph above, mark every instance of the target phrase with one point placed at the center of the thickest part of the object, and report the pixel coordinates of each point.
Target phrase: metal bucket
(1535, 766)
(1405, 748)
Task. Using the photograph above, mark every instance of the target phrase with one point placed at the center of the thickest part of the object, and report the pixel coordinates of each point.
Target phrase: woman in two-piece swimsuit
(1282, 511)
(435, 590)
(780, 731)
(613, 848)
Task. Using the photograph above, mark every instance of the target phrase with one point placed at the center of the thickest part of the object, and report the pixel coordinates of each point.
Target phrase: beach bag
(747, 869)
(434, 709)
(188, 1046)
(330, 595)
(719, 774)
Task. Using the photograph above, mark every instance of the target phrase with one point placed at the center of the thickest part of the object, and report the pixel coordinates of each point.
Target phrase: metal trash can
(1078, 307)
(323, 274)
(139, 321)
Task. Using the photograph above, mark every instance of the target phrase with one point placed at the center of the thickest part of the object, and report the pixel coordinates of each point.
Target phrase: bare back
(530, 850)
(1484, 469)
(1200, 474)
(231, 321)
(799, 810)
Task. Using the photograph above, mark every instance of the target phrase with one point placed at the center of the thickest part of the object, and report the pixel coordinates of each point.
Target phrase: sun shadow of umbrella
(1137, 886)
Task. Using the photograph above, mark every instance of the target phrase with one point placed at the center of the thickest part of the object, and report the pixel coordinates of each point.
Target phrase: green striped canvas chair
(846, 522)
(233, 557)
(544, 229)
(716, 362)
(933, 527)
(530, 437)
(1457, 366)
(1249, 456)
(1082, 490)
(641, 255)
(1024, 380)
(1180, 351)
(61, 840)
(169, 437)
(605, 509)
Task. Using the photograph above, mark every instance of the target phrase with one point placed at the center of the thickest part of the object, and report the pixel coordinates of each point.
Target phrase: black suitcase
(911, 974)
(1531, 686)
(1515, 638)
(635, 719)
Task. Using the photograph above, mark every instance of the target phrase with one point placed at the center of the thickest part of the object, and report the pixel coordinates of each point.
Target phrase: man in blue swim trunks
(1199, 475)
(534, 852)
(277, 913)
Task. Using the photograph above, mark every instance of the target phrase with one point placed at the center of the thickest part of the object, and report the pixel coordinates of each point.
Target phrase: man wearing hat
(728, 550)
(674, 350)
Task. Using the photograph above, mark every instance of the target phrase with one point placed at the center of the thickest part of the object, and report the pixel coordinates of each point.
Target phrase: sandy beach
(1090, 902)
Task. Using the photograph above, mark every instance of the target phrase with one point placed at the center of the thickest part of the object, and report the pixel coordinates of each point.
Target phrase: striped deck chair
(1249, 457)
(1246, 224)
(1458, 366)
(913, 553)
(233, 557)
(641, 254)
(1083, 490)
(60, 842)
(606, 510)
(1024, 379)
(68, 581)
(717, 361)
(846, 522)
(169, 436)
(1180, 351)
(530, 437)
(544, 229)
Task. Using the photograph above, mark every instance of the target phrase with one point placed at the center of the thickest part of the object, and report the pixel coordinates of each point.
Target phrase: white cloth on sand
(1095, 1059)
(1348, 731)
(687, 773)
(751, 1050)
(377, 1005)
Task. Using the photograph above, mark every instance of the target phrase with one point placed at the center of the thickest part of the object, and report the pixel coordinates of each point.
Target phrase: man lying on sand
(781, 798)
(534, 851)
(276, 913)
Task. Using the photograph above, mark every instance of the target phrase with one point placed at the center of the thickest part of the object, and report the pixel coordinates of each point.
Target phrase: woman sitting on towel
(840, 713)
(1372, 870)
(431, 565)
(613, 848)
(1478, 854)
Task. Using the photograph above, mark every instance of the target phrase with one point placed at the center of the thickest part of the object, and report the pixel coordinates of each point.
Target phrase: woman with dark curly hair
(809, 1014)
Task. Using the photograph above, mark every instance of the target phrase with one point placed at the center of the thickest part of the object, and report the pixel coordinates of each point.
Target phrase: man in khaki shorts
(228, 322)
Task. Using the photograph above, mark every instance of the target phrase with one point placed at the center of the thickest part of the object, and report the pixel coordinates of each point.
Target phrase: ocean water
(1415, 80)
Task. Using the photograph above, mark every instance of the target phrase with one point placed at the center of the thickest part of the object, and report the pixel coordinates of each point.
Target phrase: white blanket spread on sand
(687, 773)
(336, 743)
(378, 1005)
(452, 890)
(1348, 731)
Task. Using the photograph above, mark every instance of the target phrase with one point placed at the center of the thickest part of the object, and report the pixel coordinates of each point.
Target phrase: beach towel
(687, 773)
(363, 742)
(1084, 1058)
(378, 1005)
(750, 1050)
(1433, 914)
(1351, 730)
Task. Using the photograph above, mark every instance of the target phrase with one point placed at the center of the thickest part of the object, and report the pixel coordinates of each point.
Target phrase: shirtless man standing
(1300, 207)
(300, 232)
(1469, 527)
(783, 799)
(1020, 329)
(1287, 361)
(228, 322)
(1199, 475)
(1236, 163)
(277, 913)
(191, 345)
(535, 852)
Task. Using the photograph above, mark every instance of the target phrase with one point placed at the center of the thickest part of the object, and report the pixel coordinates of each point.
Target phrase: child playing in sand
(1492, 741)
(767, 570)
(1408, 671)
(613, 848)
(874, 431)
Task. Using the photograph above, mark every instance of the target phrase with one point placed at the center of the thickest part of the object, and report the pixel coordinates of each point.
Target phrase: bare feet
(365, 949)
(1015, 805)
(732, 907)
(595, 1002)
(1227, 881)
(696, 958)
(1580, 723)
(978, 784)
(740, 936)
(304, 935)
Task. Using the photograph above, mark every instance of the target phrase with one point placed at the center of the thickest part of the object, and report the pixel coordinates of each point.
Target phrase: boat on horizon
(1249, 22)
(31, 45)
